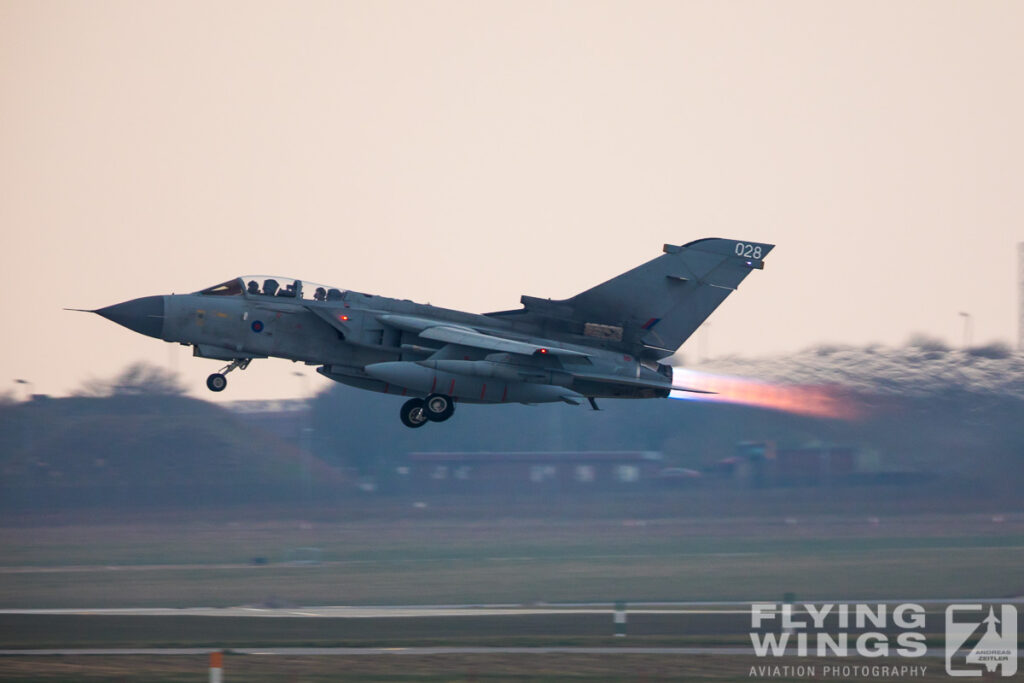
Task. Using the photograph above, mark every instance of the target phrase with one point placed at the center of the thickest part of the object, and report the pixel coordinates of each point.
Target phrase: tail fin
(651, 310)
(662, 302)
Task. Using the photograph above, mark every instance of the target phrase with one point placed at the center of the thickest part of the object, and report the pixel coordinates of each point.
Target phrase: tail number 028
(748, 250)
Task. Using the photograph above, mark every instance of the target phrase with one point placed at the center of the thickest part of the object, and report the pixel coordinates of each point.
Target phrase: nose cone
(145, 315)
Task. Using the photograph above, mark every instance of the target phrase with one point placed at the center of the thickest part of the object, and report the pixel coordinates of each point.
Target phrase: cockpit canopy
(272, 285)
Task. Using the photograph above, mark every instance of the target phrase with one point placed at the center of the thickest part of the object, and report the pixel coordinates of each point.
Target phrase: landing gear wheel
(413, 414)
(216, 382)
(439, 407)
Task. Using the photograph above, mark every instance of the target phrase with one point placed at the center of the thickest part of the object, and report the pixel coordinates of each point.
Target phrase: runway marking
(68, 569)
(364, 651)
(735, 608)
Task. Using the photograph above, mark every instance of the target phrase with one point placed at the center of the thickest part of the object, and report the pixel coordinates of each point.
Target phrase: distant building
(559, 471)
(760, 464)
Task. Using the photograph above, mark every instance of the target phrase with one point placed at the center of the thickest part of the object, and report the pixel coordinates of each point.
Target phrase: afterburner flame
(816, 401)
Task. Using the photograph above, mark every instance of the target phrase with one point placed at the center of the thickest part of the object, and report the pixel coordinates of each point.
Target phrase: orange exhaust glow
(816, 401)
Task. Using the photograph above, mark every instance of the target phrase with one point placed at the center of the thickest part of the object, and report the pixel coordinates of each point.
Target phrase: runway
(352, 612)
(463, 610)
(673, 629)
(363, 651)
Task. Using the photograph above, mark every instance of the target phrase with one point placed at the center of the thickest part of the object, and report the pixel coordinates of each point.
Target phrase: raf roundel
(257, 326)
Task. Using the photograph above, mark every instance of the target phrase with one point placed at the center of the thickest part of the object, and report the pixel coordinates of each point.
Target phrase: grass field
(167, 561)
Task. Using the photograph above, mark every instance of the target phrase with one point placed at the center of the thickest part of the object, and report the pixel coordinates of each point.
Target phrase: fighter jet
(606, 342)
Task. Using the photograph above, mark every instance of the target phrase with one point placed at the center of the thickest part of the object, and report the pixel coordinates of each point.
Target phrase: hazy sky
(464, 153)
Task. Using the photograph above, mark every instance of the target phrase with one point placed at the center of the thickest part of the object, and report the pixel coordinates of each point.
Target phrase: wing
(465, 336)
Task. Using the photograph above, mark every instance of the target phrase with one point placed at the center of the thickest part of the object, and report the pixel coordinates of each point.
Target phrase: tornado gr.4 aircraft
(606, 342)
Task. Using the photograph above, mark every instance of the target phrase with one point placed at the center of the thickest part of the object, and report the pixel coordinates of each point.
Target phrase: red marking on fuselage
(386, 385)
(451, 389)
(404, 390)
(434, 385)
(504, 394)
(483, 392)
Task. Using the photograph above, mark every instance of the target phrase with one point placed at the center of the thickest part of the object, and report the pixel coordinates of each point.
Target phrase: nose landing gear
(218, 380)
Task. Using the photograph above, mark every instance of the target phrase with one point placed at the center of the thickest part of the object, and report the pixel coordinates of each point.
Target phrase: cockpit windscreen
(267, 285)
(229, 288)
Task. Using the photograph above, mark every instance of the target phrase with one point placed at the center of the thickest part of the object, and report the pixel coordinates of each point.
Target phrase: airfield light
(967, 328)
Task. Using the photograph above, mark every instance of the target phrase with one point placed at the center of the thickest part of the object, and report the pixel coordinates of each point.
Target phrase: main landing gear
(417, 412)
(218, 380)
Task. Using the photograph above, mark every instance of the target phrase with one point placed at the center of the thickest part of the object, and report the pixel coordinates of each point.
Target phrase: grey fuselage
(346, 336)
(605, 342)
